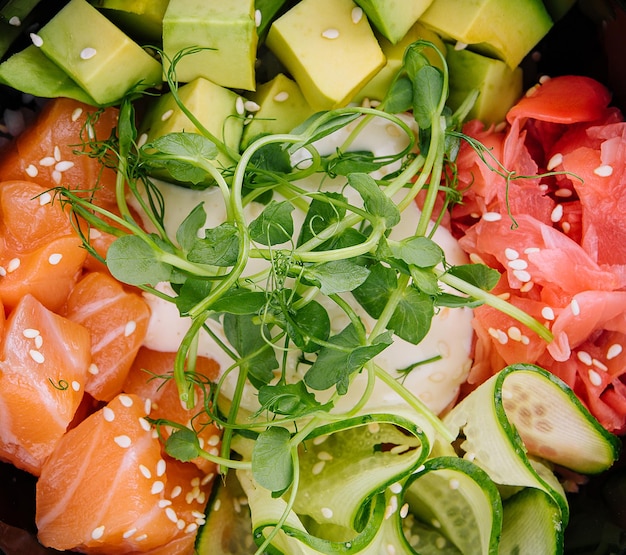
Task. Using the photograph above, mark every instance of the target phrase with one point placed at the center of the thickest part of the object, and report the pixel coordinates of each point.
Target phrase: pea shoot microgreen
(341, 255)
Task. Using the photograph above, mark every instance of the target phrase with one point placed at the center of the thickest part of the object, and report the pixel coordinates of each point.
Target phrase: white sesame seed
(614, 351)
(454, 483)
(511, 254)
(93, 369)
(126, 400)
(76, 113)
(191, 528)
(281, 96)
(476, 258)
(240, 106)
(324, 456)
(157, 487)
(440, 542)
(599, 365)
(391, 549)
(180, 524)
(327, 512)
(145, 425)
(584, 357)
(171, 514)
(142, 139)
(318, 467)
(123, 441)
(161, 467)
(37, 356)
(526, 287)
(595, 378)
(556, 160)
(404, 510)
(330, 33)
(108, 414)
(38, 342)
(176, 491)
(547, 313)
(519, 264)
(167, 115)
(251, 106)
(30, 333)
(13, 264)
(57, 153)
(563, 192)
(129, 533)
(214, 440)
(37, 40)
(56, 176)
(458, 45)
(15, 21)
(502, 338)
(557, 213)
(514, 333)
(258, 18)
(575, 307)
(47, 161)
(147, 406)
(566, 226)
(141, 538)
(492, 216)
(55, 258)
(396, 488)
(63, 166)
(145, 471)
(97, 533)
(75, 385)
(164, 503)
(129, 328)
(356, 14)
(522, 275)
(31, 171)
(87, 53)
(604, 170)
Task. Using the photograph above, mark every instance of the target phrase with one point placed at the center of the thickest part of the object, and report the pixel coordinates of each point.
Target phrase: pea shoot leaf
(418, 251)
(336, 276)
(183, 445)
(220, 246)
(345, 355)
(187, 232)
(274, 225)
(240, 301)
(131, 260)
(399, 98)
(375, 201)
(479, 275)
(321, 214)
(427, 92)
(292, 399)
(415, 310)
(272, 463)
(190, 293)
(306, 326)
(249, 340)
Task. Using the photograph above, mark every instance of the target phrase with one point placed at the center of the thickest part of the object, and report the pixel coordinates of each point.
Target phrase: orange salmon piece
(118, 322)
(165, 401)
(43, 371)
(108, 489)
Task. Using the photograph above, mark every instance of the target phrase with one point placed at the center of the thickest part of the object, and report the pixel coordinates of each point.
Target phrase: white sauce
(450, 337)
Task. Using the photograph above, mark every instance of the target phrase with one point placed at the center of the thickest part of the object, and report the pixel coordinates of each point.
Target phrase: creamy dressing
(450, 337)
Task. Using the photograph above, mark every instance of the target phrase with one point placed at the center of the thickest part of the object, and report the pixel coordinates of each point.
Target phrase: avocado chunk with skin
(142, 19)
(328, 47)
(377, 87)
(502, 29)
(499, 85)
(281, 108)
(107, 63)
(218, 109)
(393, 19)
(223, 35)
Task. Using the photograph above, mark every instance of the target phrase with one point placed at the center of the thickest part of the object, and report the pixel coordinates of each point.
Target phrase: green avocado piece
(377, 87)
(502, 29)
(224, 31)
(393, 19)
(265, 11)
(328, 47)
(218, 109)
(281, 108)
(499, 85)
(558, 8)
(32, 72)
(142, 19)
(106, 64)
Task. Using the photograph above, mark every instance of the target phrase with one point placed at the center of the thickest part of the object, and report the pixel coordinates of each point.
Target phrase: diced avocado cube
(499, 85)
(32, 72)
(281, 108)
(377, 87)
(502, 29)
(328, 47)
(226, 34)
(106, 63)
(218, 109)
(393, 19)
(139, 18)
